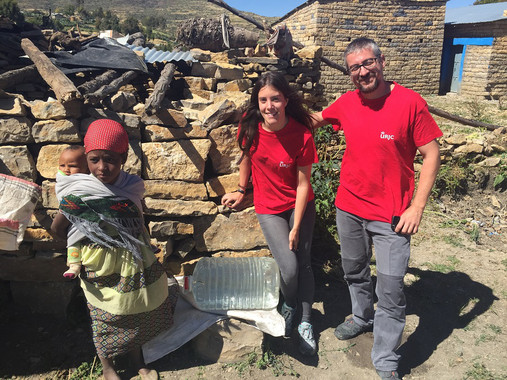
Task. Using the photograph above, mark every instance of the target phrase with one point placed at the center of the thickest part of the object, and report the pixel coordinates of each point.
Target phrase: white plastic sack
(17, 202)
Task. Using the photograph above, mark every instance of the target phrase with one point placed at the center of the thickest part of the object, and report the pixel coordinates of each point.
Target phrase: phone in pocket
(394, 222)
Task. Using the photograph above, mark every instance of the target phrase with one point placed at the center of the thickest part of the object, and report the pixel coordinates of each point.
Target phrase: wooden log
(14, 77)
(108, 89)
(234, 11)
(154, 101)
(462, 120)
(62, 86)
(95, 84)
(334, 65)
(207, 34)
(297, 44)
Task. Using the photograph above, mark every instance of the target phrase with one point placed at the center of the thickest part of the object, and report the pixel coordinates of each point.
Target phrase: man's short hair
(360, 44)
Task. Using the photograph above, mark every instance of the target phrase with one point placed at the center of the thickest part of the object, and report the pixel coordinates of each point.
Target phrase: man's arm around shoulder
(318, 120)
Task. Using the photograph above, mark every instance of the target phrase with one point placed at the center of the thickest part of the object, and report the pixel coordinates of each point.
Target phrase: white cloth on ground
(190, 322)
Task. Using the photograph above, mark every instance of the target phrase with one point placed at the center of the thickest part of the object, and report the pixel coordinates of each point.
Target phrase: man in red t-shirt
(385, 125)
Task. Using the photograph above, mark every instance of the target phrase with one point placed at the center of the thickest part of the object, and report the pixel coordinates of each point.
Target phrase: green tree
(99, 13)
(69, 9)
(10, 9)
(154, 21)
(130, 25)
(148, 32)
(479, 2)
(109, 21)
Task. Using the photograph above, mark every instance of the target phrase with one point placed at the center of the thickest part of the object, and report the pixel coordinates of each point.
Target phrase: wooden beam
(462, 120)
(108, 89)
(96, 83)
(334, 65)
(297, 44)
(234, 11)
(154, 101)
(13, 77)
(62, 86)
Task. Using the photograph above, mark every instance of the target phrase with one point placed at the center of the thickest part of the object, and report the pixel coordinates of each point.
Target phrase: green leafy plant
(325, 176)
(10, 9)
(243, 366)
(500, 181)
(480, 372)
(452, 179)
(87, 371)
(272, 361)
(474, 233)
(450, 266)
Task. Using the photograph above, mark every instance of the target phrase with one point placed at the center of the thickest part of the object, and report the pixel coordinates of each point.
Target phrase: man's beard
(370, 87)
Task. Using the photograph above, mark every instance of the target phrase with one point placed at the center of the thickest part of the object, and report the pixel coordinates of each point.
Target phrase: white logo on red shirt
(385, 136)
(284, 165)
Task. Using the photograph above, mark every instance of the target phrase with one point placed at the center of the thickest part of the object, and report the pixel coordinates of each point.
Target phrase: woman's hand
(232, 200)
(294, 239)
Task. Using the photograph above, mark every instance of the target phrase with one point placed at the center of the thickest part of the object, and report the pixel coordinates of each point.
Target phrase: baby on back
(73, 161)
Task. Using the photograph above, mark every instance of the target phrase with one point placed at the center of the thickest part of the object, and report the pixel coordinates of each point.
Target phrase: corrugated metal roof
(154, 55)
(476, 13)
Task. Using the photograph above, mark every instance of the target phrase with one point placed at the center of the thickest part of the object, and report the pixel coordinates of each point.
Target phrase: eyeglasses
(367, 64)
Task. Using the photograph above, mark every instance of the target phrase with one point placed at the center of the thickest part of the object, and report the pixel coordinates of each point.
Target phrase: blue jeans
(392, 252)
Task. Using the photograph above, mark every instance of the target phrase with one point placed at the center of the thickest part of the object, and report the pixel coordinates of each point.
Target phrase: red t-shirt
(275, 158)
(382, 136)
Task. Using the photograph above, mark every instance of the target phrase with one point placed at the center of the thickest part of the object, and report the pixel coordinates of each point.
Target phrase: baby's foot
(73, 271)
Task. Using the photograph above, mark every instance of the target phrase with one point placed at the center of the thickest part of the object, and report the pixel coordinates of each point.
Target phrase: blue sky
(278, 8)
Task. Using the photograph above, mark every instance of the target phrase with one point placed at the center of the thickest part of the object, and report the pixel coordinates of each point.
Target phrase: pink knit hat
(106, 134)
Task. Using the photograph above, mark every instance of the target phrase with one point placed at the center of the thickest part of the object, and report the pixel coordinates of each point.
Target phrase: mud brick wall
(476, 71)
(409, 33)
(492, 61)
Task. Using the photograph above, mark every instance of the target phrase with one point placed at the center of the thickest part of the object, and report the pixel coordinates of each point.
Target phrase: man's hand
(410, 221)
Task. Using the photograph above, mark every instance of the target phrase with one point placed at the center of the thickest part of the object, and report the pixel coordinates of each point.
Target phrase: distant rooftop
(476, 13)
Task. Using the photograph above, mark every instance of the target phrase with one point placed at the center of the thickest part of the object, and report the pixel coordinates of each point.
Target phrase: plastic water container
(236, 283)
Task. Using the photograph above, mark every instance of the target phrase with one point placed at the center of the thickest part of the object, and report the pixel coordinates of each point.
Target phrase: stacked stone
(484, 149)
(409, 33)
(187, 155)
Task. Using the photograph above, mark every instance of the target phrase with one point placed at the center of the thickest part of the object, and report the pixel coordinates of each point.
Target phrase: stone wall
(493, 71)
(186, 153)
(409, 33)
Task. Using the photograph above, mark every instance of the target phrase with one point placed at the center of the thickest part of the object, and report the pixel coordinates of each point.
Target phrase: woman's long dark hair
(252, 117)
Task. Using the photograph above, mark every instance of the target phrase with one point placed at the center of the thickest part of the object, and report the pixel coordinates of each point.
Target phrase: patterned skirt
(129, 304)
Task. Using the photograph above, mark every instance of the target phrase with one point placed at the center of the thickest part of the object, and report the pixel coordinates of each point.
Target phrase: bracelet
(241, 187)
(241, 191)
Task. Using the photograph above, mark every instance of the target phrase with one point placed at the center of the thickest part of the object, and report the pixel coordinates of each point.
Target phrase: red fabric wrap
(106, 134)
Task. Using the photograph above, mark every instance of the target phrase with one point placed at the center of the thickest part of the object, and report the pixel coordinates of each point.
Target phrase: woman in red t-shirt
(276, 139)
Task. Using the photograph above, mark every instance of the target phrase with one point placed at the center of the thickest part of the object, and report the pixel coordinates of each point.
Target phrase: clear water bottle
(236, 283)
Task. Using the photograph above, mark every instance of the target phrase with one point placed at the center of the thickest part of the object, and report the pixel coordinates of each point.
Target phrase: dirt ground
(456, 328)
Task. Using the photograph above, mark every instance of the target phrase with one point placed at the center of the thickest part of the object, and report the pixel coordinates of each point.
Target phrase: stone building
(409, 33)
(475, 51)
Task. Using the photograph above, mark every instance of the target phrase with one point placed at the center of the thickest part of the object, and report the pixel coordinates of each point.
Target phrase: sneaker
(388, 375)
(307, 345)
(288, 313)
(350, 329)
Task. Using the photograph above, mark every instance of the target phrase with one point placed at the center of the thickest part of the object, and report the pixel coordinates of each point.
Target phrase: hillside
(174, 11)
